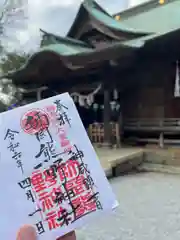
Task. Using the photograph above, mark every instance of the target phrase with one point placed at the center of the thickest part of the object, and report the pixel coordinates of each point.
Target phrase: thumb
(27, 232)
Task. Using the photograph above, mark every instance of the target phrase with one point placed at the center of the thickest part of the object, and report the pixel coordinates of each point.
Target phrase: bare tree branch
(12, 15)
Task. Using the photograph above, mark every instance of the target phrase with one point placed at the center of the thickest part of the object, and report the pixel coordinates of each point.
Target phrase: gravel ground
(149, 210)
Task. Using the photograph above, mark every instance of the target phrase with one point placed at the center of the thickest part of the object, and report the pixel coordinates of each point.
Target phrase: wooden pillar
(39, 92)
(107, 118)
(161, 140)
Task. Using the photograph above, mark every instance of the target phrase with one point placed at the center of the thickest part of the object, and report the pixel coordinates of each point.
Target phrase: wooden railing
(96, 133)
(165, 125)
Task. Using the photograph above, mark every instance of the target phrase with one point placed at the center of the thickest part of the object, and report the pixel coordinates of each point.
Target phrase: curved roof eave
(66, 40)
(82, 12)
(79, 18)
(110, 22)
(134, 44)
(137, 9)
(79, 58)
(86, 56)
(94, 11)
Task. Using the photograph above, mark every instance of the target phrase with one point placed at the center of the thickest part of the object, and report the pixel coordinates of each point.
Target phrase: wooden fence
(163, 128)
(96, 133)
(161, 125)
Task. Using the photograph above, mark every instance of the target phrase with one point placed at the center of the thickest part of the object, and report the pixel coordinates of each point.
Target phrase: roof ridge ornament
(161, 1)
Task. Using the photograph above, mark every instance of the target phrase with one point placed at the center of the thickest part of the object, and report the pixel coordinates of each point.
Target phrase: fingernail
(27, 232)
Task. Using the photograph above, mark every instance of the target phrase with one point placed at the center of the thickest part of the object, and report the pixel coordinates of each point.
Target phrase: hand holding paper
(52, 177)
(28, 232)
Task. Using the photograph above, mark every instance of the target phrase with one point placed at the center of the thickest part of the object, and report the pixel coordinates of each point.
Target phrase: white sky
(55, 16)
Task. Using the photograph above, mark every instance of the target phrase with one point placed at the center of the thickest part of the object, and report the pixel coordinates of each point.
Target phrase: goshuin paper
(50, 176)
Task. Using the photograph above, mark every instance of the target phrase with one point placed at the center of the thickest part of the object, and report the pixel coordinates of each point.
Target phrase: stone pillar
(107, 118)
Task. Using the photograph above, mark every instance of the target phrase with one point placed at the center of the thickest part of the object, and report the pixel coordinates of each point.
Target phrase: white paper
(48, 135)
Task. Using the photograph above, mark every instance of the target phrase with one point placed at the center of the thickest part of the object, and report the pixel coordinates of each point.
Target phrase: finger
(68, 236)
(27, 232)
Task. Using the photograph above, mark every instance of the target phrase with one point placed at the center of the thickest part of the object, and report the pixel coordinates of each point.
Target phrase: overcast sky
(55, 16)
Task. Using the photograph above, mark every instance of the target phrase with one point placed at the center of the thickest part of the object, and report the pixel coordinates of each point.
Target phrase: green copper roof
(141, 41)
(78, 56)
(50, 38)
(160, 18)
(106, 19)
(91, 10)
(69, 50)
(64, 49)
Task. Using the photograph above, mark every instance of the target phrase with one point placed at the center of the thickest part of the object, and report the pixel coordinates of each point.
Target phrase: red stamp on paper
(34, 121)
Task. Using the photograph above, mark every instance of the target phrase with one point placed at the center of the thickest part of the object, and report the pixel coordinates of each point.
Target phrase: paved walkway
(113, 157)
(149, 210)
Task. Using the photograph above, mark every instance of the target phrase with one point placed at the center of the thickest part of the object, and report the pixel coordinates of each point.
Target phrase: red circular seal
(34, 121)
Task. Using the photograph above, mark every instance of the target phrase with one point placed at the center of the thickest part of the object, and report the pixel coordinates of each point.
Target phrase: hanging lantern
(92, 98)
(115, 94)
(95, 106)
(81, 101)
(117, 107)
(113, 105)
(75, 98)
(89, 102)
